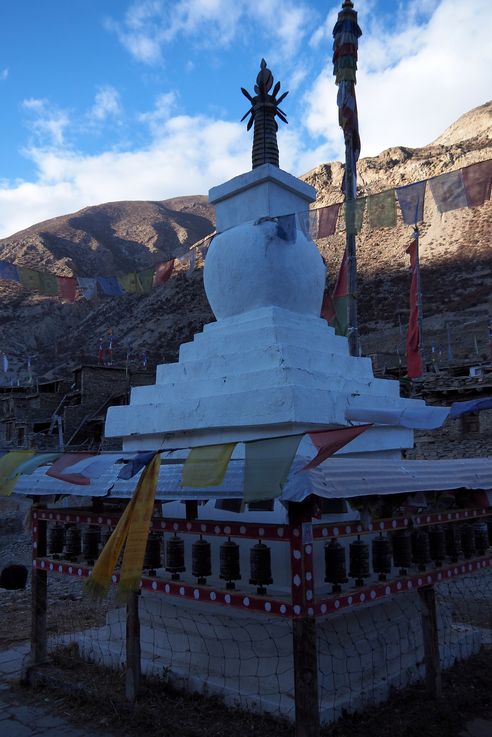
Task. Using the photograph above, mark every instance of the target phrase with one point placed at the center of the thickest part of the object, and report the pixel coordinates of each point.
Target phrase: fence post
(304, 641)
(427, 596)
(39, 594)
(133, 660)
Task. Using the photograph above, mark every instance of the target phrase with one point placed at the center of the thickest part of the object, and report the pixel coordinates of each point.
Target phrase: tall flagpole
(350, 245)
(345, 50)
(420, 309)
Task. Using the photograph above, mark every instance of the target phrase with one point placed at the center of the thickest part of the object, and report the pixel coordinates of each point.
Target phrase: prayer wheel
(453, 542)
(437, 545)
(481, 537)
(359, 561)
(152, 559)
(260, 567)
(381, 556)
(468, 541)
(56, 540)
(175, 560)
(402, 551)
(201, 560)
(90, 543)
(420, 548)
(73, 543)
(230, 563)
(335, 566)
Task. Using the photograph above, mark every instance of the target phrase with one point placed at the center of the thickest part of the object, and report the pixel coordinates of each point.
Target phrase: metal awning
(336, 478)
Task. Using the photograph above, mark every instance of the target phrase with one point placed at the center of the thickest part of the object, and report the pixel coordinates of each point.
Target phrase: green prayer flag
(129, 283)
(354, 214)
(29, 278)
(145, 280)
(49, 283)
(207, 466)
(341, 322)
(381, 209)
(268, 464)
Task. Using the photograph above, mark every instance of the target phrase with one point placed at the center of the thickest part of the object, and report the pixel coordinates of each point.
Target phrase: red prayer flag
(329, 441)
(477, 179)
(163, 272)
(414, 359)
(67, 287)
(69, 459)
(327, 220)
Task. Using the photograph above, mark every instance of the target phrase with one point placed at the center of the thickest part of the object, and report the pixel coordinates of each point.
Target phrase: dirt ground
(99, 702)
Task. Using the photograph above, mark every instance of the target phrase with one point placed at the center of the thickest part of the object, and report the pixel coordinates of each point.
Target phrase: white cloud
(106, 105)
(150, 25)
(4, 73)
(47, 121)
(420, 78)
(164, 106)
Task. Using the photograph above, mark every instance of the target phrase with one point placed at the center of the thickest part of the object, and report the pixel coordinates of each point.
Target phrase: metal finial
(264, 108)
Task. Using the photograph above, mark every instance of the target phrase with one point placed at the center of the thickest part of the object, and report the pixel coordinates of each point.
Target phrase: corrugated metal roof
(335, 478)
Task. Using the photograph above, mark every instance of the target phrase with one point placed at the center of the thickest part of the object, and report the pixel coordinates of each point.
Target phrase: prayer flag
(162, 272)
(87, 286)
(191, 267)
(138, 529)
(5, 363)
(335, 306)
(129, 283)
(286, 228)
(98, 583)
(131, 468)
(472, 405)
(110, 286)
(267, 467)
(354, 214)
(29, 278)
(93, 467)
(41, 459)
(307, 222)
(448, 191)
(477, 179)
(8, 271)
(327, 220)
(145, 279)
(67, 287)
(381, 210)
(207, 466)
(49, 283)
(411, 199)
(9, 465)
(346, 33)
(57, 470)
(414, 358)
(328, 442)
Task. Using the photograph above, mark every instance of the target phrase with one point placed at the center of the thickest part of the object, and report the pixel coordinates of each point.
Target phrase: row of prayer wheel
(405, 549)
(74, 544)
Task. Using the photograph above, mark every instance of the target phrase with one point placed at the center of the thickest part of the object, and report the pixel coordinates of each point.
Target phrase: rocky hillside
(113, 238)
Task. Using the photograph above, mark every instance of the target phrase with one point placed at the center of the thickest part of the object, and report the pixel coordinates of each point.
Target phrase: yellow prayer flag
(138, 531)
(9, 464)
(98, 583)
(207, 466)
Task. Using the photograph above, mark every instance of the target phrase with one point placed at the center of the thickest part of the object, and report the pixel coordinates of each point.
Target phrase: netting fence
(255, 650)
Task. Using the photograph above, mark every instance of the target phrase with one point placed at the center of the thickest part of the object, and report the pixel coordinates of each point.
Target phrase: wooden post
(133, 662)
(427, 598)
(304, 641)
(39, 593)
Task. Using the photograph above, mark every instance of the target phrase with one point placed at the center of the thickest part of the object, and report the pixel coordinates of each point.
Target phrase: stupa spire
(264, 108)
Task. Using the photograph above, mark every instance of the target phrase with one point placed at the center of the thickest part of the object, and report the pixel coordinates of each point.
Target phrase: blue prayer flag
(110, 286)
(131, 468)
(286, 228)
(411, 199)
(9, 271)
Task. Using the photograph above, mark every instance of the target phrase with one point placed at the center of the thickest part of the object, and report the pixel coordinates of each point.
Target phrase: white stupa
(269, 365)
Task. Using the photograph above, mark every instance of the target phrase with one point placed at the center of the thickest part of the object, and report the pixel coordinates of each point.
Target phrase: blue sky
(139, 99)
